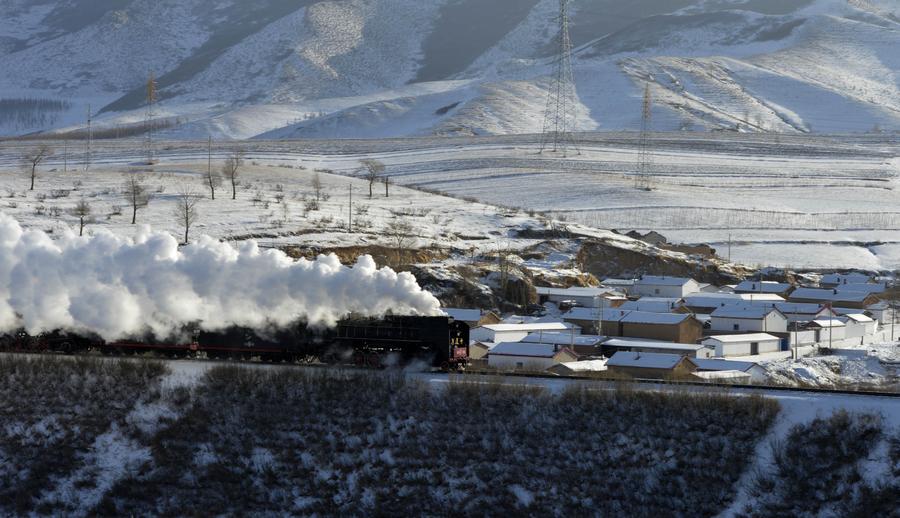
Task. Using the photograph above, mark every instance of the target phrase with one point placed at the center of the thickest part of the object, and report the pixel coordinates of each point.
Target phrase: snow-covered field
(803, 201)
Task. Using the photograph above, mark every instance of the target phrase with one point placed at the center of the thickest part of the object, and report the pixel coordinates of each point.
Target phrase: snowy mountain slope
(338, 67)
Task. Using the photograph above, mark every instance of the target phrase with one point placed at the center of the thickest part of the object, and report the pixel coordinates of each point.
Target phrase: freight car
(389, 341)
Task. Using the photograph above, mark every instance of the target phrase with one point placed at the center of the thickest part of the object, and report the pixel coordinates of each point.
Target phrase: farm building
(706, 303)
(743, 345)
(578, 368)
(669, 327)
(782, 289)
(582, 345)
(614, 345)
(673, 287)
(473, 317)
(828, 330)
(859, 326)
(652, 304)
(744, 319)
(847, 299)
(836, 279)
(803, 312)
(756, 373)
(528, 356)
(584, 297)
(651, 365)
(874, 288)
(515, 332)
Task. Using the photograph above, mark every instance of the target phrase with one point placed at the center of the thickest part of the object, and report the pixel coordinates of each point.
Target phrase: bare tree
(34, 158)
(317, 186)
(82, 211)
(136, 193)
(232, 168)
(386, 180)
(372, 170)
(401, 234)
(186, 211)
(213, 180)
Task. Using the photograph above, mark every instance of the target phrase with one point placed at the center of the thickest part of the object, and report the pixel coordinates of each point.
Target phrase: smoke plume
(118, 287)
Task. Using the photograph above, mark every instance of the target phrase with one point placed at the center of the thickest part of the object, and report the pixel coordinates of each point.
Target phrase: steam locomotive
(390, 341)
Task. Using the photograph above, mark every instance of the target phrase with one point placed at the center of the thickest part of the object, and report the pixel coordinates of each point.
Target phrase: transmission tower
(559, 117)
(642, 180)
(151, 101)
(89, 141)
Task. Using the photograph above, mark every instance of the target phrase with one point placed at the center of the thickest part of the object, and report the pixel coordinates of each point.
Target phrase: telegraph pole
(151, 100)
(90, 137)
(350, 212)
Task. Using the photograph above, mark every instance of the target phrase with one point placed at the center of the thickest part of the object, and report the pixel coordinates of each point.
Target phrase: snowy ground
(805, 202)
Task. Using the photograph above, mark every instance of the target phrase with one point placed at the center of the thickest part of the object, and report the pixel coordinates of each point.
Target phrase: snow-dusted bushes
(841, 465)
(294, 441)
(51, 411)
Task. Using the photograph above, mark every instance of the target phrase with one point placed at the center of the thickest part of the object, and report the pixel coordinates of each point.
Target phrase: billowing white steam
(118, 287)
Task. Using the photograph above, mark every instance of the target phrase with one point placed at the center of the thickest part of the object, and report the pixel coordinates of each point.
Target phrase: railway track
(523, 377)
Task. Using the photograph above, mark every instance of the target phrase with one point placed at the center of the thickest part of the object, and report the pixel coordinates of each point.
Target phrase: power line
(559, 117)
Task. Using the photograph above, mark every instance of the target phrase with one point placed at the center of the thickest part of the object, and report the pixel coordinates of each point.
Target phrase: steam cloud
(118, 287)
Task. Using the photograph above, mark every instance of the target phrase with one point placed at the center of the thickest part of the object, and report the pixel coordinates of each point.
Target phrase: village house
(744, 319)
(755, 373)
(580, 367)
(473, 317)
(497, 333)
(621, 285)
(829, 331)
(743, 345)
(651, 304)
(803, 312)
(584, 297)
(782, 289)
(528, 356)
(651, 365)
(872, 287)
(672, 287)
(836, 279)
(668, 327)
(847, 299)
(613, 345)
(582, 345)
(859, 327)
(706, 303)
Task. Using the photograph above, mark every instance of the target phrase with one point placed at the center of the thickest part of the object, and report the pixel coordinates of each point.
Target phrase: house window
(737, 327)
(754, 348)
(520, 365)
(656, 291)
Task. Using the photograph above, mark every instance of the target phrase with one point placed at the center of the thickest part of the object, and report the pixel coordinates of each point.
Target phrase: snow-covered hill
(381, 68)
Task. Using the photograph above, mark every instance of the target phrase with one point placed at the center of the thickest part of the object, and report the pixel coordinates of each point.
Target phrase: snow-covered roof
(543, 326)
(563, 339)
(527, 349)
(653, 306)
(800, 308)
(763, 286)
(845, 278)
(828, 322)
(573, 292)
(653, 280)
(644, 360)
(715, 364)
(828, 295)
(586, 366)
(618, 282)
(748, 337)
(862, 288)
(650, 344)
(859, 318)
(464, 315)
(743, 311)
(644, 317)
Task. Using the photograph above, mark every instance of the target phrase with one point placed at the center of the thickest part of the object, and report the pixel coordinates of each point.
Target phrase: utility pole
(350, 212)
(90, 137)
(729, 248)
(559, 117)
(209, 157)
(151, 100)
(65, 154)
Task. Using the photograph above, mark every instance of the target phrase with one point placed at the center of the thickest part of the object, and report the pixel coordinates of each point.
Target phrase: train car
(399, 340)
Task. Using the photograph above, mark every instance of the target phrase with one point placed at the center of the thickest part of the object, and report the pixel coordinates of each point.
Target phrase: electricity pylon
(559, 117)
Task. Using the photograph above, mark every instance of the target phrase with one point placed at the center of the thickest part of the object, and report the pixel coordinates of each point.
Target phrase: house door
(754, 348)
